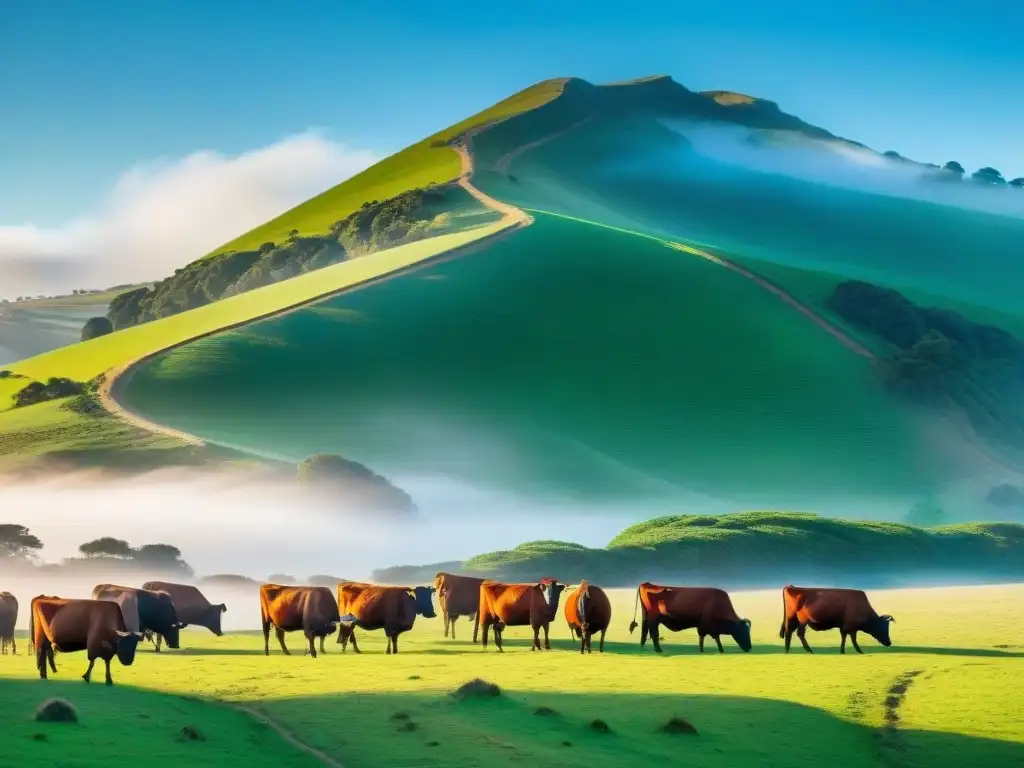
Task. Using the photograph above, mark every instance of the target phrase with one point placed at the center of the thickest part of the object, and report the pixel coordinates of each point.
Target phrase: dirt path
(844, 338)
(506, 160)
(287, 735)
(514, 216)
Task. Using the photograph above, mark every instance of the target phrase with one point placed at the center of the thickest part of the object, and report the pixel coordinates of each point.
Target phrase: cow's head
(879, 629)
(212, 621)
(424, 598)
(552, 591)
(168, 624)
(741, 633)
(127, 642)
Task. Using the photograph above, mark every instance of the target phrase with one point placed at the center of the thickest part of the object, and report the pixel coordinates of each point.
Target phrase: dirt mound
(476, 689)
(56, 711)
(678, 725)
(600, 726)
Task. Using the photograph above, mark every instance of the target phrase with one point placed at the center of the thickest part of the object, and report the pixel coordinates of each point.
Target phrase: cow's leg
(50, 658)
(655, 639)
(158, 639)
(645, 630)
(14, 646)
(499, 627)
(842, 643)
(600, 646)
(322, 637)
(476, 625)
(701, 644)
(853, 639)
(88, 673)
(590, 640)
(311, 637)
(486, 625)
(109, 680)
(352, 637)
(801, 632)
(547, 639)
(343, 633)
(447, 622)
(718, 640)
(41, 659)
(280, 639)
(266, 637)
(536, 638)
(394, 641)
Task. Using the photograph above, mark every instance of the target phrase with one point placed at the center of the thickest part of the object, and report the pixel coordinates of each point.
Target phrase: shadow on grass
(525, 727)
(125, 725)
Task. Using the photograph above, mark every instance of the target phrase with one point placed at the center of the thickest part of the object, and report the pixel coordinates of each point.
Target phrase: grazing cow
(847, 610)
(707, 609)
(518, 605)
(157, 614)
(311, 610)
(393, 609)
(458, 596)
(191, 606)
(94, 626)
(8, 618)
(588, 611)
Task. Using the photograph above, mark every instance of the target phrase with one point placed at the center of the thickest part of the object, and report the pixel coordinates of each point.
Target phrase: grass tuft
(677, 725)
(476, 689)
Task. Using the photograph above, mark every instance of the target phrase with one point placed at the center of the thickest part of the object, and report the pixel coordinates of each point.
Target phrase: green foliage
(54, 389)
(942, 357)
(375, 226)
(954, 167)
(16, 541)
(350, 480)
(107, 546)
(988, 175)
(1018, 182)
(95, 327)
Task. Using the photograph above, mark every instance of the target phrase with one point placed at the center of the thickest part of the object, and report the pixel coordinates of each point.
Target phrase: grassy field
(640, 369)
(423, 163)
(947, 689)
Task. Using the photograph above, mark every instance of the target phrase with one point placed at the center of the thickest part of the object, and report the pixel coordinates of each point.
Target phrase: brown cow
(94, 626)
(191, 606)
(518, 605)
(588, 611)
(707, 609)
(8, 618)
(311, 610)
(393, 609)
(847, 610)
(458, 596)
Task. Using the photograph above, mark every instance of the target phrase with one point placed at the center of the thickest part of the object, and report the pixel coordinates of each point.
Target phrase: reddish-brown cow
(588, 611)
(94, 626)
(707, 609)
(369, 606)
(518, 605)
(847, 610)
(458, 596)
(311, 610)
(8, 618)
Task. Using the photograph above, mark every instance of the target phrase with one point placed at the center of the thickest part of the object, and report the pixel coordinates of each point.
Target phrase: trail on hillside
(287, 735)
(503, 163)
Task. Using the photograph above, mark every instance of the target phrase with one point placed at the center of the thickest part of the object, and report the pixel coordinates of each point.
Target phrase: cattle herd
(116, 618)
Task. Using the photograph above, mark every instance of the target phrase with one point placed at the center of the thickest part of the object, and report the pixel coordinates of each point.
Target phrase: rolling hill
(660, 320)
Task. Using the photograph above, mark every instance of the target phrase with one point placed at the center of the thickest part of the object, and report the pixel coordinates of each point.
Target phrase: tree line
(19, 544)
(986, 175)
(410, 216)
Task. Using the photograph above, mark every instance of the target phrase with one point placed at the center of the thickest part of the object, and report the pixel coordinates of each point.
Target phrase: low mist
(841, 164)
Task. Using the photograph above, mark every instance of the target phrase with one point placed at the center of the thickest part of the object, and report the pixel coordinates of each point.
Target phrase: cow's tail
(636, 607)
(782, 629)
(31, 626)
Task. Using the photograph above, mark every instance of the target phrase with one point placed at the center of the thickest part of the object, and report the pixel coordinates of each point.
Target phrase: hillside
(663, 325)
(758, 549)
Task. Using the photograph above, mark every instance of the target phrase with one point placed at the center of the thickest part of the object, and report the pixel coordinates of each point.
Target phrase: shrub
(56, 711)
(95, 327)
(476, 689)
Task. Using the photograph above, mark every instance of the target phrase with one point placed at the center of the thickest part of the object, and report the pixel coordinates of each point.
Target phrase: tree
(95, 327)
(954, 167)
(107, 546)
(16, 541)
(158, 553)
(1018, 182)
(891, 153)
(988, 175)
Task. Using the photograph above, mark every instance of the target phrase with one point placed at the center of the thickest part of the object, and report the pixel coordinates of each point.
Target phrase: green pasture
(568, 357)
(948, 689)
(33, 327)
(429, 161)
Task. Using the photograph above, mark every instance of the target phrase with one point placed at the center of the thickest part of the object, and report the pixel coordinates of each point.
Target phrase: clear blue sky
(89, 89)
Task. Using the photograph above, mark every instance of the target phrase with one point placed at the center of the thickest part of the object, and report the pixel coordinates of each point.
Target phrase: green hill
(582, 356)
(752, 549)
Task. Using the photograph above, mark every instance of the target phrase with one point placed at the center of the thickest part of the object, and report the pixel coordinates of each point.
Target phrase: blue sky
(89, 90)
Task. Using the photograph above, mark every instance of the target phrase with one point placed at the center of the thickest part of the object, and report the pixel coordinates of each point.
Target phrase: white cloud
(161, 215)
